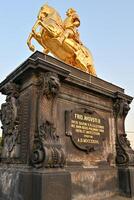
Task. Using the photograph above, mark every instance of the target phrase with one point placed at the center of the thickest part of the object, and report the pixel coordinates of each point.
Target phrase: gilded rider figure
(70, 25)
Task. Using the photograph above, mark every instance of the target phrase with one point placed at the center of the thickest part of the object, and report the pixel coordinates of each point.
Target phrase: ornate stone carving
(121, 107)
(47, 148)
(51, 85)
(10, 123)
(125, 154)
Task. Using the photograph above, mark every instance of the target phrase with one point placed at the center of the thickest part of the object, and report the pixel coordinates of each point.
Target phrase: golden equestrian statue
(61, 38)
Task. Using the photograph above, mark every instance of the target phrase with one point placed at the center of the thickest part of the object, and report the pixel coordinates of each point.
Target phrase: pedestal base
(94, 184)
(126, 181)
(25, 185)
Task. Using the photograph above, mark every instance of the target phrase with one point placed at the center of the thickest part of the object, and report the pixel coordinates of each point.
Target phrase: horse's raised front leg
(34, 35)
(30, 45)
(34, 29)
(52, 30)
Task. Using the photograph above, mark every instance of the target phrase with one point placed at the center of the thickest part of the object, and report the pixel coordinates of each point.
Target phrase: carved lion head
(51, 85)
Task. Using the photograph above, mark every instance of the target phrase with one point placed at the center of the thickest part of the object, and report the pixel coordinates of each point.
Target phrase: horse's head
(45, 11)
(48, 12)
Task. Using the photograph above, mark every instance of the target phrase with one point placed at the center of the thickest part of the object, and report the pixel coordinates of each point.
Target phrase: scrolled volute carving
(38, 154)
(125, 154)
(47, 148)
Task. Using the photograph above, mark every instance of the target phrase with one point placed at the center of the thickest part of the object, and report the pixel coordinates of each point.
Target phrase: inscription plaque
(86, 128)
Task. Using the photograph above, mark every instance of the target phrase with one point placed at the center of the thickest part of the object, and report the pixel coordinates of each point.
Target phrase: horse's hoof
(32, 48)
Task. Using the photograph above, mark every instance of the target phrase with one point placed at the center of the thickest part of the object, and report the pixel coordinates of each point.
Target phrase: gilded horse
(61, 38)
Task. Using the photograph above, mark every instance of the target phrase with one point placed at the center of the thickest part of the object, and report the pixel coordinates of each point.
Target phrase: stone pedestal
(25, 183)
(126, 181)
(63, 134)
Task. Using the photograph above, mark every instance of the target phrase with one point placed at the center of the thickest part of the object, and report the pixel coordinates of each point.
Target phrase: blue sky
(107, 29)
